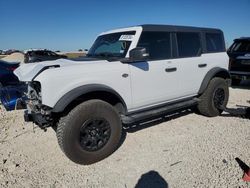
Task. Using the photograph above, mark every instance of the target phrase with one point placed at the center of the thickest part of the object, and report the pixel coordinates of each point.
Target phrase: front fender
(65, 100)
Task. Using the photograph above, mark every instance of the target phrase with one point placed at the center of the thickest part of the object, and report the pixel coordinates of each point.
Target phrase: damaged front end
(27, 96)
(36, 112)
(31, 96)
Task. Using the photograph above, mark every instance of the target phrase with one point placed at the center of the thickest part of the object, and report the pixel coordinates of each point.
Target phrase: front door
(154, 81)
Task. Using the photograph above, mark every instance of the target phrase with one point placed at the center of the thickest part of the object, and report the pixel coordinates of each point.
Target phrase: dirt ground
(14, 57)
(184, 150)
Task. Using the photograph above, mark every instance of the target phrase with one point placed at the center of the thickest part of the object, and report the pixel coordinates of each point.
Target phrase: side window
(51, 53)
(241, 46)
(46, 53)
(214, 42)
(189, 44)
(157, 44)
(39, 53)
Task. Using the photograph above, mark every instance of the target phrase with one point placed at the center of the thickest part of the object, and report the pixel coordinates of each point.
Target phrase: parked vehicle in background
(239, 63)
(10, 51)
(129, 75)
(33, 56)
(7, 77)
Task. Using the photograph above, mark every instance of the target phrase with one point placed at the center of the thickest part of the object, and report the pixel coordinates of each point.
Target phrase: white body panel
(56, 82)
(152, 85)
(189, 75)
(147, 84)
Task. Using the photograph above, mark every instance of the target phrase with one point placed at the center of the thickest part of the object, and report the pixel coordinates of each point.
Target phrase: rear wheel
(215, 95)
(90, 132)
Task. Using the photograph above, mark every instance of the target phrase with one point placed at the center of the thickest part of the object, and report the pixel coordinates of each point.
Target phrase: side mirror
(138, 54)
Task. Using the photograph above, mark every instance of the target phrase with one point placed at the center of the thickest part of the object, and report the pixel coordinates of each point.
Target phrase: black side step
(136, 117)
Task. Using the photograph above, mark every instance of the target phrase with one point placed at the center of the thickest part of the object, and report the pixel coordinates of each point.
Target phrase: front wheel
(90, 132)
(215, 95)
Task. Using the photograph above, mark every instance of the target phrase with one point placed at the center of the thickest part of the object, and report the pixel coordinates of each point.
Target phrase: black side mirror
(138, 54)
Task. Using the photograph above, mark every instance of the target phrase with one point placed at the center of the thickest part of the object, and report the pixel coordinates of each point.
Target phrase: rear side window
(40, 53)
(157, 44)
(241, 46)
(189, 44)
(215, 42)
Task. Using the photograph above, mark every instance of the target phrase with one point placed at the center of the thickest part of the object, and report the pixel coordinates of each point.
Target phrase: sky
(69, 25)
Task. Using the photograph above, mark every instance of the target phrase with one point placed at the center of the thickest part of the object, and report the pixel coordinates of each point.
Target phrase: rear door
(191, 68)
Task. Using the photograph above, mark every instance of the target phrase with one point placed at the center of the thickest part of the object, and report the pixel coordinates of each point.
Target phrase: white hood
(26, 72)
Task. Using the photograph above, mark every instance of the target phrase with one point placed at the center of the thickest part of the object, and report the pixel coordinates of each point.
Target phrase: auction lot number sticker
(126, 38)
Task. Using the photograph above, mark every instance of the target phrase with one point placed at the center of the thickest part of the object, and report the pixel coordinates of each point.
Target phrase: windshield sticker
(126, 38)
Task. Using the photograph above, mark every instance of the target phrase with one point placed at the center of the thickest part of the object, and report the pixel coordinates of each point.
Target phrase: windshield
(241, 46)
(112, 45)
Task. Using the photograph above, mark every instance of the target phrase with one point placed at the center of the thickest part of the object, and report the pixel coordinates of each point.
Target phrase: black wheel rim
(219, 97)
(94, 134)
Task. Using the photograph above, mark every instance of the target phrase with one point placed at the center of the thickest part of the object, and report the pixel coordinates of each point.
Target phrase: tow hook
(243, 111)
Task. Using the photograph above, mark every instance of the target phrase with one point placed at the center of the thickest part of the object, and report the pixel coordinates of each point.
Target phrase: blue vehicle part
(7, 77)
(12, 97)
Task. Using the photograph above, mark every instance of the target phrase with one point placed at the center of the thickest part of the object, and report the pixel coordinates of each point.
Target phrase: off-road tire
(68, 131)
(236, 82)
(206, 104)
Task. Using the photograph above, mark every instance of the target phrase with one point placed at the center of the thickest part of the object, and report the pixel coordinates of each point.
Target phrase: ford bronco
(129, 75)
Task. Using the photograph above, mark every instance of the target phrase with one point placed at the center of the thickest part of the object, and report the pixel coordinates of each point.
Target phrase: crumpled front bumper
(36, 118)
(32, 117)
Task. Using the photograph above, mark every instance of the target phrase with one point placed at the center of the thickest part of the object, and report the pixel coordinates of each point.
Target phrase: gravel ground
(186, 150)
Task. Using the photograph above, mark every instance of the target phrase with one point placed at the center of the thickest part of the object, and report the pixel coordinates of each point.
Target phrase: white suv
(129, 75)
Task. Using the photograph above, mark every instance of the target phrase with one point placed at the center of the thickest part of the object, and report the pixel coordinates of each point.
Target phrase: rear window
(214, 42)
(241, 46)
(189, 44)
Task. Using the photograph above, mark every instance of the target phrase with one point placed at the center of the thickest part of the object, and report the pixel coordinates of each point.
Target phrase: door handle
(202, 65)
(125, 75)
(171, 69)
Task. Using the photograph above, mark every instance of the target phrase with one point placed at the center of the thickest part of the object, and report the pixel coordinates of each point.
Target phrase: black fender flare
(69, 97)
(214, 72)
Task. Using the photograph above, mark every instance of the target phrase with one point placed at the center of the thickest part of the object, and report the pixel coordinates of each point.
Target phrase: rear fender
(215, 72)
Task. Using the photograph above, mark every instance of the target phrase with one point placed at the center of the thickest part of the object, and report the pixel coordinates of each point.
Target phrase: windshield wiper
(90, 55)
(104, 54)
